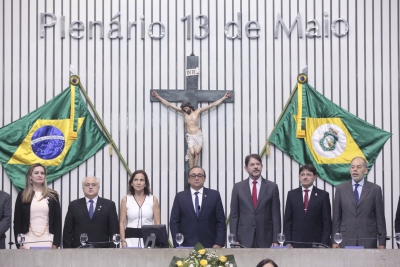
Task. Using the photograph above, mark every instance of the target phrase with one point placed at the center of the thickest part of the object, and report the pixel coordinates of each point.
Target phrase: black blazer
(100, 228)
(209, 228)
(312, 226)
(22, 218)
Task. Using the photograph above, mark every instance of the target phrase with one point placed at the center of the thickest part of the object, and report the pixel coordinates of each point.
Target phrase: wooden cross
(192, 94)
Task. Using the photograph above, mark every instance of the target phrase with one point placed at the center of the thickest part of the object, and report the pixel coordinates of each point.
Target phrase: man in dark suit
(198, 214)
(307, 212)
(255, 208)
(5, 217)
(358, 212)
(93, 215)
(397, 220)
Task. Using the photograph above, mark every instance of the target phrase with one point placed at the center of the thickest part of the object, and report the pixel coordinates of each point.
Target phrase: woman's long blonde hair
(28, 193)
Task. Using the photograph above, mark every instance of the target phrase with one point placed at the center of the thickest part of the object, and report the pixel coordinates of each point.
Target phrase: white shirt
(200, 195)
(258, 185)
(94, 203)
(309, 192)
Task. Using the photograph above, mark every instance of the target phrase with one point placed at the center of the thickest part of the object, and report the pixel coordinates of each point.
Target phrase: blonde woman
(37, 212)
(138, 208)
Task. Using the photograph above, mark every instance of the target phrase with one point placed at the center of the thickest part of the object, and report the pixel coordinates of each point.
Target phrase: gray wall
(359, 72)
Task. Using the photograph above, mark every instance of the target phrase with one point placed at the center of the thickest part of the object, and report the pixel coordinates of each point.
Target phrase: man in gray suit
(5, 217)
(358, 210)
(255, 208)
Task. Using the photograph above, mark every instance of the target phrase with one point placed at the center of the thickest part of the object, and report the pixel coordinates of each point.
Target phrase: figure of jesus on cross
(194, 136)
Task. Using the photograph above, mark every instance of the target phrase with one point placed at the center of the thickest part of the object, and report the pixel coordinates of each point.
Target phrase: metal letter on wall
(129, 28)
(346, 27)
(162, 30)
(239, 26)
(248, 28)
(43, 22)
(118, 29)
(203, 26)
(188, 26)
(91, 23)
(81, 27)
(314, 27)
(279, 20)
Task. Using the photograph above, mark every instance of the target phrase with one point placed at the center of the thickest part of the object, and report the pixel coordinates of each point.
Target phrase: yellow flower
(202, 251)
(203, 262)
(222, 259)
(179, 263)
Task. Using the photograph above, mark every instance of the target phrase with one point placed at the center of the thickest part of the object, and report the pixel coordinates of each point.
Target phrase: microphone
(33, 242)
(91, 244)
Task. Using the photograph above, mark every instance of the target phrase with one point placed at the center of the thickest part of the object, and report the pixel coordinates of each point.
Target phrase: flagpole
(266, 146)
(103, 127)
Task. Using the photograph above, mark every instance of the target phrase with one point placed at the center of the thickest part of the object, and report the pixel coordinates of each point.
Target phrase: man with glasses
(255, 208)
(92, 215)
(198, 214)
(307, 213)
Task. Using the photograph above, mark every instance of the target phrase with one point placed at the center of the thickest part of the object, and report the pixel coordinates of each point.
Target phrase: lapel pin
(205, 195)
(316, 194)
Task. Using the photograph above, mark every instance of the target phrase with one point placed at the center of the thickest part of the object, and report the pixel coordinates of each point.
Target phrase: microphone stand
(313, 244)
(92, 244)
(33, 242)
(236, 244)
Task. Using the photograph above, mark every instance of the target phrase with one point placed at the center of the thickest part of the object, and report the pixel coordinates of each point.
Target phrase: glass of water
(338, 238)
(179, 238)
(231, 238)
(398, 238)
(116, 239)
(21, 239)
(281, 239)
(83, 238)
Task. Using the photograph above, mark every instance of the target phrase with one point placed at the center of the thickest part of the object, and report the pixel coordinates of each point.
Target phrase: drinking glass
(84, 238)
(231, 238)
(179, 238)
(21, 239)
(338, 238)
(116, 239)
(281, 239)
(398, 238)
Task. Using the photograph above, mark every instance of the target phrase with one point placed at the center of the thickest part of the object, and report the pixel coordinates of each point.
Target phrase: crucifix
(189, 109)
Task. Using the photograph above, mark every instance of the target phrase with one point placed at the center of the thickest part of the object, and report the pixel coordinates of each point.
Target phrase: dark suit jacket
(265, 220)
(22, 218)
(209, 229)
(357, 222)
(311, 226)
(100, 228)
(5, 217)
(397, 219)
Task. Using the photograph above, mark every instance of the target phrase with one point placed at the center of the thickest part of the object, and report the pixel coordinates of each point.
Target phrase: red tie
(254, 194)
(306, 200)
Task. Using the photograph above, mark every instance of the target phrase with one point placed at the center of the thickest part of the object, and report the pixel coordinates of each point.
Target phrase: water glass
(83, 238)
(179, 238)
(116, 239)
(21, 239)
(281, 239)
(231, 238)
(398, 238)
(338, 238)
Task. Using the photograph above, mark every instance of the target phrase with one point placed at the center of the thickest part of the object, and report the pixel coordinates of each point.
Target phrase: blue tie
(196, 203)
(356, 193)
(91, 209)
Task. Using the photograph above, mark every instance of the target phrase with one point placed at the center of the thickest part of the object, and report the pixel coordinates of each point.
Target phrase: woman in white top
(138, 208)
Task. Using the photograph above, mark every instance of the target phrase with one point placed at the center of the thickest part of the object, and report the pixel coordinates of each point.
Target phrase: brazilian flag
(314, 130)
(61, 135)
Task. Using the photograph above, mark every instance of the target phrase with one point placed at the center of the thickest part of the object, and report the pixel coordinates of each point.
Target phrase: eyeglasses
(193, 176)
(91, 185)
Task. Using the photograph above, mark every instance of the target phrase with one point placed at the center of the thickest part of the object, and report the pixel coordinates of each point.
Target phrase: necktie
(196, 203)
(306, 200)
(91, 209)
(254, 194)
(357, 198)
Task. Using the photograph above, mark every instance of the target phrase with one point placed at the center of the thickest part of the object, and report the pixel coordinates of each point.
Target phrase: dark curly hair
(131, 190)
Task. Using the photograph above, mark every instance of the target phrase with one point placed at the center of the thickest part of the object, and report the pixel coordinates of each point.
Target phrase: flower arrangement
(200, 257)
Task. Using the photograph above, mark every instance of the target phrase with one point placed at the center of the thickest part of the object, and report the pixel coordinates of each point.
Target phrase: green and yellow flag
(314, 130)
(61, 135)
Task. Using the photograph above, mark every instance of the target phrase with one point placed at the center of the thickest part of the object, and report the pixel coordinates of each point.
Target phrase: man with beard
(194, 136)
(255, 208)
(358, 212)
